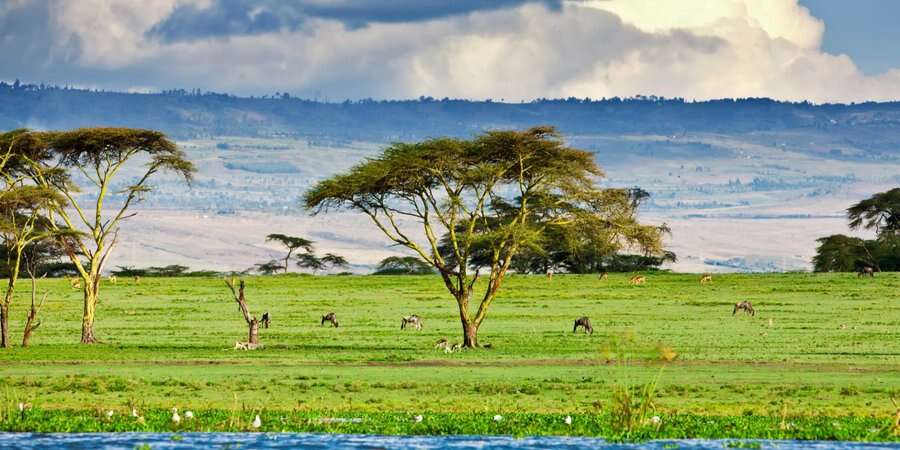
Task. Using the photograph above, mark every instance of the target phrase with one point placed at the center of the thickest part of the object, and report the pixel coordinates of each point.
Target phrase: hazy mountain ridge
(745, 184)
(187, 115)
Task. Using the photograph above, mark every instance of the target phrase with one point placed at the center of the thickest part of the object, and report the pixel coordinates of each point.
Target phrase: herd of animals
(584, 322)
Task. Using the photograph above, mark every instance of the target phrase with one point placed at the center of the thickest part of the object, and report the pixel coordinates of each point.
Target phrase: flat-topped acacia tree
(98, 154)
(23, 222)
(496, 191)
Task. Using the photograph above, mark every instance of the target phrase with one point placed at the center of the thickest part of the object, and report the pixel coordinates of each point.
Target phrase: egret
(498, 418)
(418, 418)
(568, 420)
(188, 415)
(256, 422)
(176, 419)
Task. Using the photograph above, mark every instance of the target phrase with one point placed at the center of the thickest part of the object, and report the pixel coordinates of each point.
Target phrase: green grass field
(819, 345)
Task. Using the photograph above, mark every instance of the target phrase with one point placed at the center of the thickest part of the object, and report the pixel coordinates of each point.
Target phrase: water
(132, 441)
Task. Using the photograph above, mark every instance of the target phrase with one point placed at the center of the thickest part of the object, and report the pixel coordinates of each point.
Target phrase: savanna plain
(820, 359)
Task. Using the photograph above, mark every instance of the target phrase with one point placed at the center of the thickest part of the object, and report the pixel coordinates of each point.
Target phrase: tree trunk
(4, 325)
(90, 307)
(470, 335)
(30, 326)
(254, 332)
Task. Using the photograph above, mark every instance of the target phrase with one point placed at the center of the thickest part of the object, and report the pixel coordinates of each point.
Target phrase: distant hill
(192, 114)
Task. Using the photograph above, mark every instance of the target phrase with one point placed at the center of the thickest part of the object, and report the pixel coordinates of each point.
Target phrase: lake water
(132, 441)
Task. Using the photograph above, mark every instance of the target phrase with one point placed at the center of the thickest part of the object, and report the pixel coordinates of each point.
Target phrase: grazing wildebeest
(866, 271)
(550, 274)
(706, 279)
(604, 276)
(583, 322)
(412, 320)
(330, 317)
(638, 279)
(266, 319)
(745, 306)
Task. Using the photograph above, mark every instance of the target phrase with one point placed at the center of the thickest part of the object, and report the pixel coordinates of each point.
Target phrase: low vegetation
(818, 360)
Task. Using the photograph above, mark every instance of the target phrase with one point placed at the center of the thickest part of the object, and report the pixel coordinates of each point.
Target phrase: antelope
(266, 319)
(866, 271)
(238, 345)
(550, 274)
(330, 317)
(604, 276)
(585, 323)
(113, 279)
(137, 279)
(744, 306)
(75, 282)
(706, 279)
(413, 320)
(638, 279)
(445, 345)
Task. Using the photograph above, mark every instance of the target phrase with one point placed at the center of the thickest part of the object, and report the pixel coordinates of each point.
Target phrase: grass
(822, 349)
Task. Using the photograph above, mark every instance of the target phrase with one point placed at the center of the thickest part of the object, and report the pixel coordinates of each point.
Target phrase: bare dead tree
(32, 322)
(252, 322)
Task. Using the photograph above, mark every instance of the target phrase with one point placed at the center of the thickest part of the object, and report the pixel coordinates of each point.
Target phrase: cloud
(512, 50)
(223, 18)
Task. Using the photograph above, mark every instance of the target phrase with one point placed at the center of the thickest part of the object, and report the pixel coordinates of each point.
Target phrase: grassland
(820, 346)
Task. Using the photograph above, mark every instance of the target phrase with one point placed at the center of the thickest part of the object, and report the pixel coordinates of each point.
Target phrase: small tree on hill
(292, 243)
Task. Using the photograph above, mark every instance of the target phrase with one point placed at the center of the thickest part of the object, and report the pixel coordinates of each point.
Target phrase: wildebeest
(113, 279)
(866, 271)
(745, 306)
(583, 321)
(638, 279)
(266, 319)
(604, 276)
(706, 279)
(330, 317)
(413, 320)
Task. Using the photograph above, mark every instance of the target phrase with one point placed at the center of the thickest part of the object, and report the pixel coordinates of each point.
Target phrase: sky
(511, 50)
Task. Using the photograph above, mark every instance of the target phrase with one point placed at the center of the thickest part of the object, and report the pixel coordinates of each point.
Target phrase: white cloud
(691, 48)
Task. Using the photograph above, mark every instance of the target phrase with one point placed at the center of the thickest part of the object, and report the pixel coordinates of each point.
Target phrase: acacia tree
(880, 213)
(498, 191)
(23, 221)
(98, 155)
(292, 243)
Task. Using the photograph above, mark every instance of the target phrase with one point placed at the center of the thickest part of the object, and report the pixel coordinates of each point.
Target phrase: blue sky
(817, 50)
(867, 30)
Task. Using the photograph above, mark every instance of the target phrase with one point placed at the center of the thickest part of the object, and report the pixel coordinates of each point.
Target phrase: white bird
(188, 415)
(655, 420)
(418, 419)
(21, 406)
(498, 418)
(134, 412)
(256, 422)
(176, 419)
(109, 414)
(568, 420)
